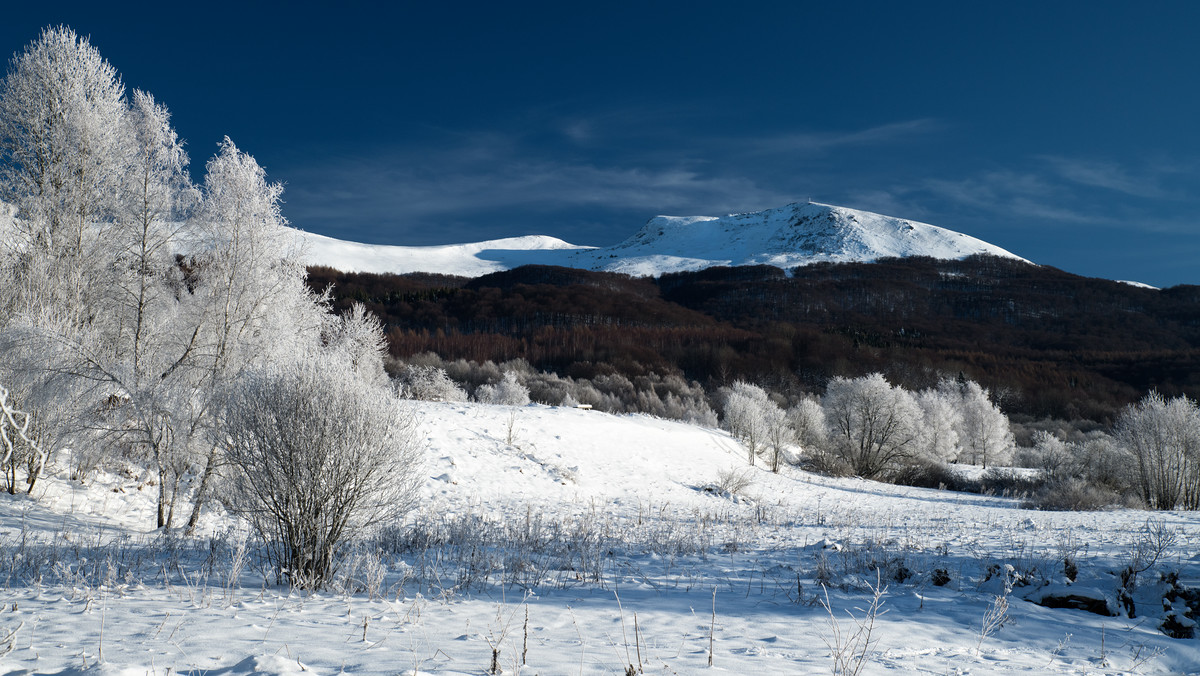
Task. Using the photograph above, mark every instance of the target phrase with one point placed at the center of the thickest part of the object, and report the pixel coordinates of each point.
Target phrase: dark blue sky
(1063, 131)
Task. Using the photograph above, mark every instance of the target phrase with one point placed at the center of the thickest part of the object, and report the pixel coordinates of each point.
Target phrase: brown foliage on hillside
(1044, 341)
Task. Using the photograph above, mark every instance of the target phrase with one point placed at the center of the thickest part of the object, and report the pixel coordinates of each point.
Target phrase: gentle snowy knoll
(465, 260)
(581, 522)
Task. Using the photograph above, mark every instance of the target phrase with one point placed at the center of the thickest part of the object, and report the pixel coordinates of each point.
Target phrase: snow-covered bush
(429, 383)
(508, 392)
(694, 410)
(1074, 495)
(1106, 463)
(1164, 436)
(731, 481)
(1051, 456)
(318, 454)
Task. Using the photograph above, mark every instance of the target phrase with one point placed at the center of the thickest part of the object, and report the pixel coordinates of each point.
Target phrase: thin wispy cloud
(1106, 175)
(460, 177)
(822, 142)
(459, 187)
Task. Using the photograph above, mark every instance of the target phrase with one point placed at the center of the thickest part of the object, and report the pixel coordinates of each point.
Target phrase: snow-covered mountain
(786, 237)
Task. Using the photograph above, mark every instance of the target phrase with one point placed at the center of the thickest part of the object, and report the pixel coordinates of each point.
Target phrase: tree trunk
(210, 466)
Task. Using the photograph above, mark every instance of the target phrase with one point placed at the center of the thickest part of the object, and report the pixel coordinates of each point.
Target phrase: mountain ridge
(785, 237)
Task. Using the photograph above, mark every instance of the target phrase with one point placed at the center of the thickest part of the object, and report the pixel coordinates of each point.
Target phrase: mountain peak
(796, 234)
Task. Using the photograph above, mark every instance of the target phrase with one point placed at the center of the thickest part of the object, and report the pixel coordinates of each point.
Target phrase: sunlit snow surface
(797, 234)
(639, 482)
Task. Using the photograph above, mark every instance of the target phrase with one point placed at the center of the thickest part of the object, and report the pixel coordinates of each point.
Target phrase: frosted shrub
(693, 410)
(1051, 455)
(318, 454)
(1164, 436)
(429, 383)
(508, 392)
(731, 482)
(1075, 495)
(1106, 463)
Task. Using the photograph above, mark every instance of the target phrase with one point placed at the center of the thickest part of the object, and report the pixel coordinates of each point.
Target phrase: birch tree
(747, 416)
(61, 161)
(984, 434)
(249, 291)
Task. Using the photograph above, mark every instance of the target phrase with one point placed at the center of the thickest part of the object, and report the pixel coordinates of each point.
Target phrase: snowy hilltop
(786, 237)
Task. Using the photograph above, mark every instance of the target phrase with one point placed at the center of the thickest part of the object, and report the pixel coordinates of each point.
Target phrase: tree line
(1045, 342)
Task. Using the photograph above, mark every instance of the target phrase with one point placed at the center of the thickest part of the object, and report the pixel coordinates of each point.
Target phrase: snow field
(582, 520)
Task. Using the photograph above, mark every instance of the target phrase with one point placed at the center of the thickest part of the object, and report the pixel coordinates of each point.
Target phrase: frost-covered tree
(941, 420)
(984, 434)
(508, 392)
(150, 329)
(132, 301)
(249, 267)
(748, 416)
(873, 426)
(156, 192)
(248, 292)
(1164, 436)
(17, 443)
(62, 159)
(94, 288)
(358, 335)
(780, 435)
(807, 419)
(318, 453)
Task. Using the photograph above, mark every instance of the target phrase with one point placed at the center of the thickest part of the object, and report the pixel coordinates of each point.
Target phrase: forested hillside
(1047, 342)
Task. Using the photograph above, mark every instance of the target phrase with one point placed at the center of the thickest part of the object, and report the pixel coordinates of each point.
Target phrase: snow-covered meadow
(555, 541)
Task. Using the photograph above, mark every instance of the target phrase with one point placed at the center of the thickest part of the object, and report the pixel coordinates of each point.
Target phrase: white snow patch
(465, 260)
(1140, 285)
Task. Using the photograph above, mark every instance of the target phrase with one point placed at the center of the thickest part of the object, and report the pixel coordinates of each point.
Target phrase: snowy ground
(573, 542)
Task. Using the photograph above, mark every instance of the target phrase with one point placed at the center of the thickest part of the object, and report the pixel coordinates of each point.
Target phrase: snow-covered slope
(466, 260)
(797, 234)
(607, 521)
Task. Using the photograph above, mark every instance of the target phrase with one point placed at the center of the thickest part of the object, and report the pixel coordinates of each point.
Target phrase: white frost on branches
(508, 392)
(319, 453)
(14, 429)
